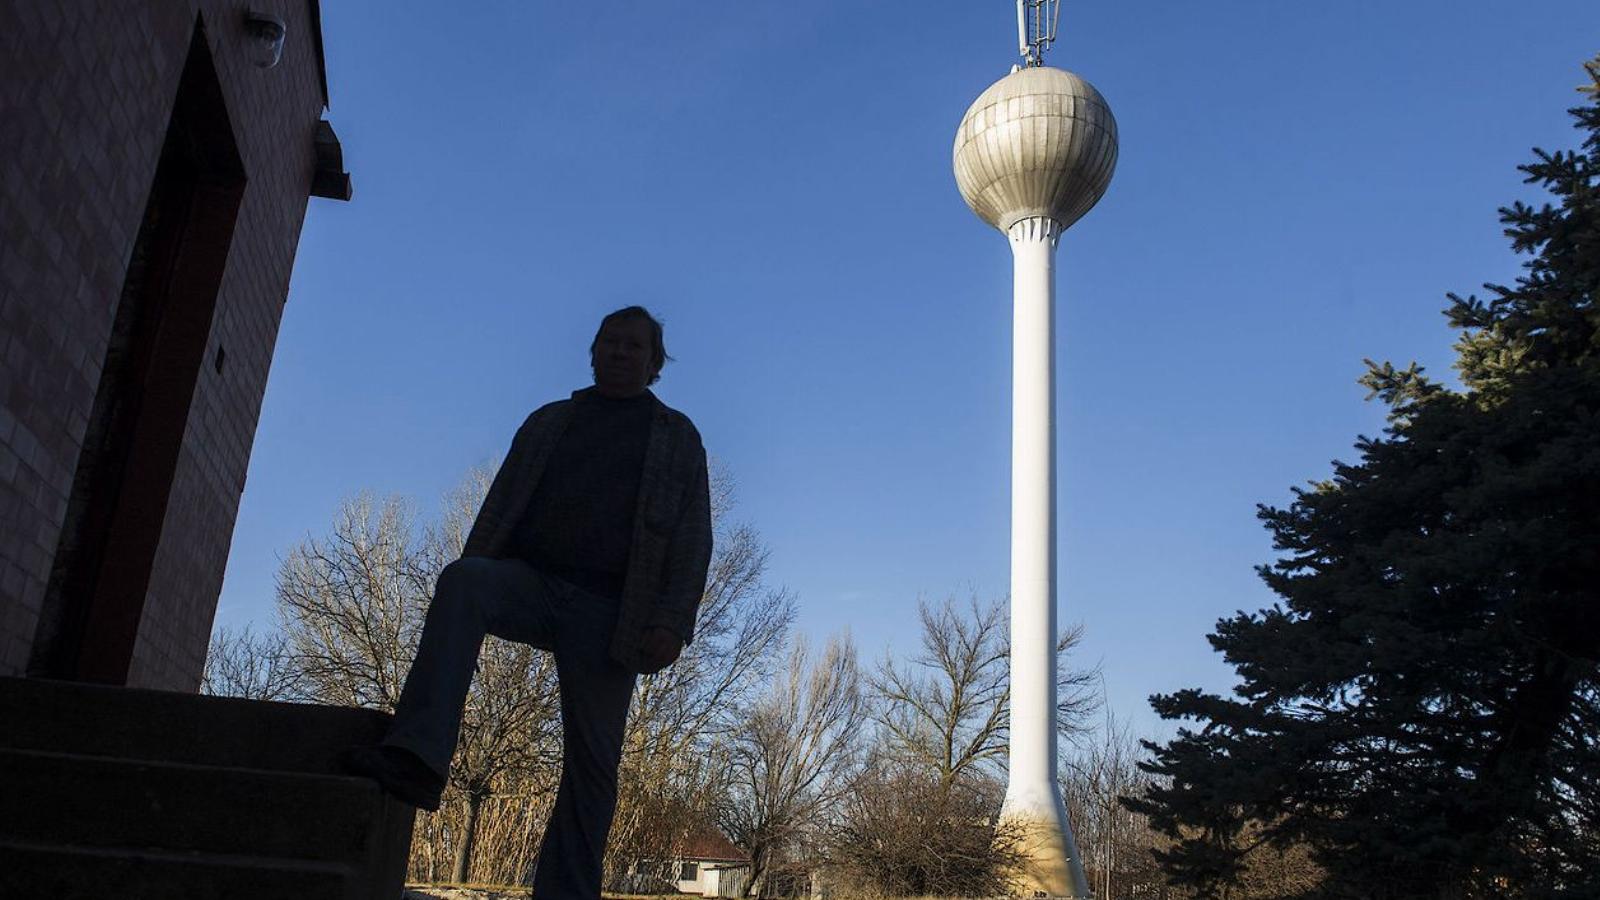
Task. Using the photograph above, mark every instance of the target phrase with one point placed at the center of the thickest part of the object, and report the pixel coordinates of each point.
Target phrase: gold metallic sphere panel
(1038, 142)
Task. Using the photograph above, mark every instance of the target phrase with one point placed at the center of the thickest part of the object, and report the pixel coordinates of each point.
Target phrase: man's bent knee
(469, 569)
(463, 581)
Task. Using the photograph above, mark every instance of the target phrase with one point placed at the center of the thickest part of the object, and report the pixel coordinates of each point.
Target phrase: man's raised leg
(474, 596)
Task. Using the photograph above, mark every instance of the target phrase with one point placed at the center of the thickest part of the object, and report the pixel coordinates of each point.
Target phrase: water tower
(1033, 154)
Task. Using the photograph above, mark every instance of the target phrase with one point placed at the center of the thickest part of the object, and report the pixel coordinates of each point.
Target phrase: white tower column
(1033, 519)
(1033, 798)
(1034, 153)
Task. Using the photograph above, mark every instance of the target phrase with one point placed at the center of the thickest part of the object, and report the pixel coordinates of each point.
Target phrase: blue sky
(1298, 186)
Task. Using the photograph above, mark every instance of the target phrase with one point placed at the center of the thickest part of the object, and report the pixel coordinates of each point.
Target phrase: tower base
(1047, 858)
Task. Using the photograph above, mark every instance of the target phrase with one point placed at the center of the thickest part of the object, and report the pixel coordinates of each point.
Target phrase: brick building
(155, 169)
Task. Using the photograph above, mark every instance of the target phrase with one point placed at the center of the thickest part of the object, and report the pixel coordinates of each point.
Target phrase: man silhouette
(592, 543)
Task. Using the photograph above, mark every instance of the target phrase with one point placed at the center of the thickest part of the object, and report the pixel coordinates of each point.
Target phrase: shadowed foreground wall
(90, 102)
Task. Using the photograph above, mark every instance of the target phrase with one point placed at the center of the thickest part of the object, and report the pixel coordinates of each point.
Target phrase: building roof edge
(315, 8)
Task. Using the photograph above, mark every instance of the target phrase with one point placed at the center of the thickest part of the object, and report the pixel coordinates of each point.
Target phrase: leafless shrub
(352, 605)
(1116, 844)
(949, 707)
(905, 832)
(510, 825)
(945, 712)
(241, 663)
(922, 818)
(675, 752)
(794, 758)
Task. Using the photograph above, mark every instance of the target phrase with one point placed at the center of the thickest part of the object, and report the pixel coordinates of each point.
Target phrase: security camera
(266, 33)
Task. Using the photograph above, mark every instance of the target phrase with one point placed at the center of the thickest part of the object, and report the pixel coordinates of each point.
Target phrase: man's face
(622, 358)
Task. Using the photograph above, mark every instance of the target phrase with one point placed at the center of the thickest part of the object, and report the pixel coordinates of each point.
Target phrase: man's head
(627, 352)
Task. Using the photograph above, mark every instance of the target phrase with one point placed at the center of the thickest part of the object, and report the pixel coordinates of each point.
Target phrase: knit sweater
(670, 552)
(579, 523)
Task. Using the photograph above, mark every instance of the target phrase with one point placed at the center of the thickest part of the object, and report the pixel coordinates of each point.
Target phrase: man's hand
(659, 648)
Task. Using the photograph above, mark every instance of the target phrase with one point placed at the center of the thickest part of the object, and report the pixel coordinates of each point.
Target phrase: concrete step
(99, 801)
(62, 872)
(111, 792)
(131, 723)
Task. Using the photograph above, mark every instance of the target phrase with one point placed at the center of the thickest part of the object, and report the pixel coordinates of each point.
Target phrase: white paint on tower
(1034, 153)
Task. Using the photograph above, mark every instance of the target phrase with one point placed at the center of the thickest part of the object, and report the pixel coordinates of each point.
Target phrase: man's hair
(658, 355)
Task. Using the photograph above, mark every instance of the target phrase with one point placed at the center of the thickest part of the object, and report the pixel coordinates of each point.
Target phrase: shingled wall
(87, 90)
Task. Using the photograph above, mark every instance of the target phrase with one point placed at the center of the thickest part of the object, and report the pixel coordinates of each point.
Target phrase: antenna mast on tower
(1036, 28)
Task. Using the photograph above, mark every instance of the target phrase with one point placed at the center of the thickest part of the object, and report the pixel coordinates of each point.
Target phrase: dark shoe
(399, 772)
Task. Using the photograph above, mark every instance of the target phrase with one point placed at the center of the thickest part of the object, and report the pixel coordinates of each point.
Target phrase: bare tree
(1080, 691)
(1121, 848)
(352, 604)
(352, 607)
(1117, 844)
(1273, 869)
(795, 756)
(741, 626)
(240, 663)
(947, 710)
(674, 765)
(950, 708)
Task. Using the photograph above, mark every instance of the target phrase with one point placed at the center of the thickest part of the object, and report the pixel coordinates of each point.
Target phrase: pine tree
(1421, 706)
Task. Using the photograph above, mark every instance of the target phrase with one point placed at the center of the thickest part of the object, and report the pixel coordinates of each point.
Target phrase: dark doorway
(95, 598)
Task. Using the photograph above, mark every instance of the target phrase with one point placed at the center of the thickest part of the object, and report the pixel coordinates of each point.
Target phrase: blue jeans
(510, 599)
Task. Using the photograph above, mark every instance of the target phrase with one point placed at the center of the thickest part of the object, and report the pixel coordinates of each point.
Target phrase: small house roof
(709, 843)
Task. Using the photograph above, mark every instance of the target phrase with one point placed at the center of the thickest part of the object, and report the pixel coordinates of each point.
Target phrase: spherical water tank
(1039, 142)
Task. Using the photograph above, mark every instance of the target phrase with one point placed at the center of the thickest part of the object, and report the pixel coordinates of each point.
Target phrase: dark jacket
(671, 548)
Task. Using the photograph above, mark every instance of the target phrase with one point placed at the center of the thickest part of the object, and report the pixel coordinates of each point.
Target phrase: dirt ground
(498, 892)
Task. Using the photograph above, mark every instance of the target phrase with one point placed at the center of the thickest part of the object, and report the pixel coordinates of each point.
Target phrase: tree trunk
(758, 871)
(469, 831)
